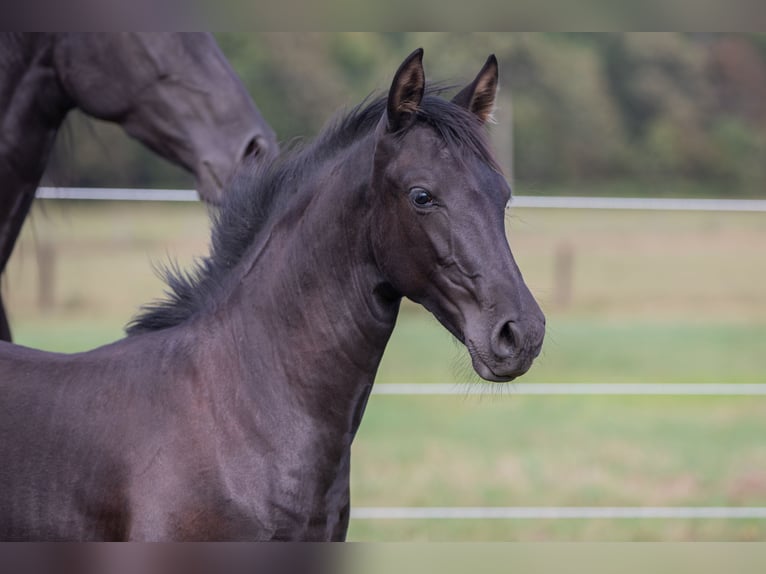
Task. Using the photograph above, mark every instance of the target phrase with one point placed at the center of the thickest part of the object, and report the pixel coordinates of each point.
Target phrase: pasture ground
(655, 297)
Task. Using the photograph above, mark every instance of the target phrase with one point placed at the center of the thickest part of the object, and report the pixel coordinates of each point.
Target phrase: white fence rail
(642, 203)
(513, 389)
(116, 194)
(647, 203)
(557, 512)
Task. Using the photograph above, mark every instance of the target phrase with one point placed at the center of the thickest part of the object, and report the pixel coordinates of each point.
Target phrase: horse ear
(478, 97)
(406, 92)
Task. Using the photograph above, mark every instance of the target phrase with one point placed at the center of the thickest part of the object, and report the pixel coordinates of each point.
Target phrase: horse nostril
(253, 148)
(506, 340)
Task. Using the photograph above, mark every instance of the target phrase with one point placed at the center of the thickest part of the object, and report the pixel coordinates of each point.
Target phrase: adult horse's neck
(32, 107)
(309, 319)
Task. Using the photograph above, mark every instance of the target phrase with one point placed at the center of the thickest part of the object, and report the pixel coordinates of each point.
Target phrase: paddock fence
(514, 389)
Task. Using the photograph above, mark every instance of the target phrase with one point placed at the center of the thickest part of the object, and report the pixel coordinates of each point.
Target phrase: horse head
(439, 233)
(175, 92)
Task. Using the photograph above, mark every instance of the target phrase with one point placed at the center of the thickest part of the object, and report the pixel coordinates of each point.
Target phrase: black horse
(176, 93)
(229, 410)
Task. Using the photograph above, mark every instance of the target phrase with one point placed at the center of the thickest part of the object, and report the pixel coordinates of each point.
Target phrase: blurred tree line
(634, 114)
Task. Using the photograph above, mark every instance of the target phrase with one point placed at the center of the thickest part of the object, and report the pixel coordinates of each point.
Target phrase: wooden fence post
(563, 275)
(46, 271)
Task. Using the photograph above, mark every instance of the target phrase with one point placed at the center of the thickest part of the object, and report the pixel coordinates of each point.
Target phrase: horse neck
(32, 107)
(319, 318)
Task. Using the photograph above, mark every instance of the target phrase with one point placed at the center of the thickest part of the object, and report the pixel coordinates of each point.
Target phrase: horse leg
(12, 216)
(5, 330)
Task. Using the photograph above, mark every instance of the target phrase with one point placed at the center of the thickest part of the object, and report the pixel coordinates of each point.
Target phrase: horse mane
(258, 195)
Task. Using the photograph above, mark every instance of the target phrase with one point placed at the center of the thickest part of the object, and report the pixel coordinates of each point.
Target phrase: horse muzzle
(511, 348)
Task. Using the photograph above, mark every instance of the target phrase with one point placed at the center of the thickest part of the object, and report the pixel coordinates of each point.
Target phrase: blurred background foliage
(619, 113)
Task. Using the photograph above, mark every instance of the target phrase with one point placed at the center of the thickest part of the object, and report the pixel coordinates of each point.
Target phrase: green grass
(572, 530)
(656, 298)
(579, 350)
(650, 351)
(560, 451)
(65, 335)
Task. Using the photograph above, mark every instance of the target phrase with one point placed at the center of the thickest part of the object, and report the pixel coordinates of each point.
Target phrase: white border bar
(557, 513)
(639, 203)
(512, 389)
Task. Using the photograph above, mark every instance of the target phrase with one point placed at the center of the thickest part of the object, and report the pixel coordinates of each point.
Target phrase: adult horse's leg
(13, 212)
(5, 330)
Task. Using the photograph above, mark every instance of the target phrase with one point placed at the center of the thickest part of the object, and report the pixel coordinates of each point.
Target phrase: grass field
(655, 298)
(561, 451)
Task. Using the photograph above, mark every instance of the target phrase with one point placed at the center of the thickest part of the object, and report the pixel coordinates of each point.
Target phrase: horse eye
(421, 197)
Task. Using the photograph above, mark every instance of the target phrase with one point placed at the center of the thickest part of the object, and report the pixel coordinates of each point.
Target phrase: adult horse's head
(175, 92)
(439, 235)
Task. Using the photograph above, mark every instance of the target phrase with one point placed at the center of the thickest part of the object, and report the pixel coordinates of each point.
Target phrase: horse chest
(241, 495)
(301, 497)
